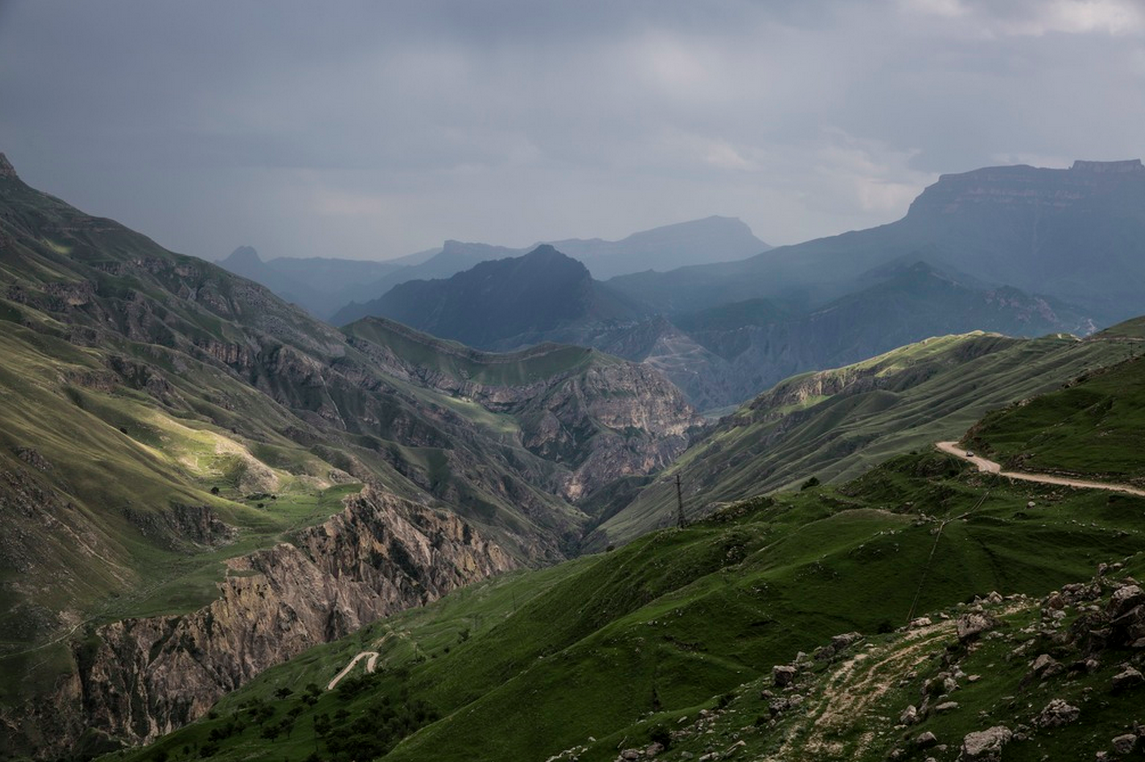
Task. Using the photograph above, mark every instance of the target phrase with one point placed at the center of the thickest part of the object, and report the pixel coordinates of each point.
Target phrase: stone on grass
(1126, 679)
(985, 745)
(1057, 713)
(1125, 744)
(783, 675)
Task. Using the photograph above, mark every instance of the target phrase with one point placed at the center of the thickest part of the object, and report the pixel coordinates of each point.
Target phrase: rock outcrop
(137, 679)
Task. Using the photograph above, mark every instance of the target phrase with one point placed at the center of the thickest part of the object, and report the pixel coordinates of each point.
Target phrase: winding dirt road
(990, 467)
(371, 664)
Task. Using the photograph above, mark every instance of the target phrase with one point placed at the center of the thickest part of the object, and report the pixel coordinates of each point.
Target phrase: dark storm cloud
(374, 129)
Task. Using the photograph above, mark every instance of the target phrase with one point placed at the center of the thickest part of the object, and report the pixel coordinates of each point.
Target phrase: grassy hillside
(835, 424)
(608, 651)
(1094, 427)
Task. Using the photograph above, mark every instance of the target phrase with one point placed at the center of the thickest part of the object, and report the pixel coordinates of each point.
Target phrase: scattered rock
(1045, 666)
(783, 675)
(946, 706)
(995, 597)
(628, 754)
(1057, 713)
(839, 642)
(922, 621)
(985, 745)
(1124, 599)
(1125, 744)
(909, 716)
(926, 740)
(970, 626)
(1126, 679)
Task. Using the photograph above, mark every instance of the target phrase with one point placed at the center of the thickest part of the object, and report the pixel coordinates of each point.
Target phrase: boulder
(839, 642)
(1125, 744)
(909, 716)
(926, 740)
(1126, 679)
(1125, 598)
(783, 675)
(985, 745)
(970, 626)
(1057, 713)
(1045, 666)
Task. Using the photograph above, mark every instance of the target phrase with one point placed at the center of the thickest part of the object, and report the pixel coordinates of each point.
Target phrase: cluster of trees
(374, 729)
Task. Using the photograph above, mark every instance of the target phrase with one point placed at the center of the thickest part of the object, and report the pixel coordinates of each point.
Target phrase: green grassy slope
(835, 424)
(117, 506)
(1094, 428)
(611, 646)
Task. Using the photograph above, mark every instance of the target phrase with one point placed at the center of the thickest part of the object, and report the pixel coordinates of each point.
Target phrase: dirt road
(990, 467)
(372, 656)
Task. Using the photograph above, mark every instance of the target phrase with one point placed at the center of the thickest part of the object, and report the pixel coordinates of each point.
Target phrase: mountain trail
(990, 467)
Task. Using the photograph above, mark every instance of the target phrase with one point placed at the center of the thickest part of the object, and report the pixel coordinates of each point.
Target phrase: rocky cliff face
(137, 679)
(1025, 186)
(600, 420)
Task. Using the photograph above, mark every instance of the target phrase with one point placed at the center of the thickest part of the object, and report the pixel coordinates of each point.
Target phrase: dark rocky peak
(548, 257)
(243, 255)
(7, 171)
(546, 252)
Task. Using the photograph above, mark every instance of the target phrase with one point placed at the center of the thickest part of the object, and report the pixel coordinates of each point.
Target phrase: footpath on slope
(990, 467)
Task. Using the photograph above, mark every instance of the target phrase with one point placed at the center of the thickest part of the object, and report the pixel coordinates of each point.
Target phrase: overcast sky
(375, 129)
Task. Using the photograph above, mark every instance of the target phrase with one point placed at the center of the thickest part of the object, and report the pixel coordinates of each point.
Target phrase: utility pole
(681, 522)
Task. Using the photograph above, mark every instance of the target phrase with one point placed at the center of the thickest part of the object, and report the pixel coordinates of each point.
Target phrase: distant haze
(370, 130)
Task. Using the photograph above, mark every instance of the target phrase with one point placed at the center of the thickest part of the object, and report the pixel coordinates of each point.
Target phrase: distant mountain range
(324, 286)
(1077, 234)
(1015, 250)
(721, 355)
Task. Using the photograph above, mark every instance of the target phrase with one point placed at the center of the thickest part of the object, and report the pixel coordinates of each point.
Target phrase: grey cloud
(373, 129)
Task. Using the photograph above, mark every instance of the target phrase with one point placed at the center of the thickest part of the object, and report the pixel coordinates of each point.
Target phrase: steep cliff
(596, 416)
(136, 679)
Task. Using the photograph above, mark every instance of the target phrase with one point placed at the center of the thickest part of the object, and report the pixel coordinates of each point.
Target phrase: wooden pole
(681, 522)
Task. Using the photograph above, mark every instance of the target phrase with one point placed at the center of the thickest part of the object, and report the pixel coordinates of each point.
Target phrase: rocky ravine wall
(137, 679)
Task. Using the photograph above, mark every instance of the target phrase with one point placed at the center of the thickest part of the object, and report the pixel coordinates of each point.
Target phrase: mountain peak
(244, 255)
(546, 251)
(6, 169)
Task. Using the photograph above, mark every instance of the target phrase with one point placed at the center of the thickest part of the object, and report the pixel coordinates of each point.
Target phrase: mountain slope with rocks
(166, 422)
